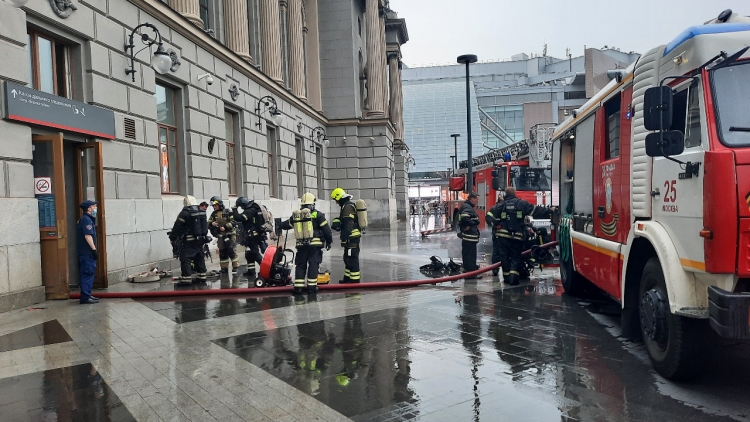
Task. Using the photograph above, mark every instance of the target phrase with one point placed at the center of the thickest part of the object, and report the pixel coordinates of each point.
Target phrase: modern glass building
(432, 113)
(507, 99)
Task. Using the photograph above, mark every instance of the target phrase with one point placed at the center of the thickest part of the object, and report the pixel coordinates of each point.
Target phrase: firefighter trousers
(510, 255)
(192, 253)
(469, 255)
(227, 253)
(306, 264)
(351, 264)
(252, 252)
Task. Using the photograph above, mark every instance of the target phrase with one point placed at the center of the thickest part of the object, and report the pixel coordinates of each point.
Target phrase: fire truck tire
(572, 282)
(671, 340)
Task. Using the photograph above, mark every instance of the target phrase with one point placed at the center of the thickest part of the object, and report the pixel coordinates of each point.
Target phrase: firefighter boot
(312, 288)
(513, 279)
(235, 264)
(297, 291)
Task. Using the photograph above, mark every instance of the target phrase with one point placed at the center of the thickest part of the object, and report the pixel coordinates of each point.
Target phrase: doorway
(65, 174)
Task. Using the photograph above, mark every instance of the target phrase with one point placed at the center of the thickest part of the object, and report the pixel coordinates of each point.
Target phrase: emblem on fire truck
(608, 194)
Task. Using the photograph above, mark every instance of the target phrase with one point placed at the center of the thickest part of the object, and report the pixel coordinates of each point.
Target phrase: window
(230, 121)
(205, 14)
(273, 168)
(693, 124)
(529, 179)
(359, 26)
(731, 94)
(167, 127)
(299, 144)
(49, 65)
(612, 122)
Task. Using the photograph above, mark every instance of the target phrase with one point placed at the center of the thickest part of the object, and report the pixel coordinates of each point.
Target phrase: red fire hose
(286, 289)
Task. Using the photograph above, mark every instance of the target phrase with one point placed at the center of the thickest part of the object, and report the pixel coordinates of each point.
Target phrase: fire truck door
(609, 204)
(678, 200)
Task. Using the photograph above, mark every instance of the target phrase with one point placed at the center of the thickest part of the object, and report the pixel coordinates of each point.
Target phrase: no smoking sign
(42, 186)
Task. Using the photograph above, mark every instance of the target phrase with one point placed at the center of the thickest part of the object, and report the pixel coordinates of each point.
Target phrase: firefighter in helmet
(221, 224)
(190, 231)
(468, 224)
(252, 220)
(312, 233)
(509, 227)
(348, 224)
(490, 220)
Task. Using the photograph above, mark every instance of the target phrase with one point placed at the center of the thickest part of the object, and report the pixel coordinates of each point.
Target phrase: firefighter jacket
(468, 222)
(190, 224)
(348, 224)
(322, 234)
(251, 218)
(222, 218)
(507, 218)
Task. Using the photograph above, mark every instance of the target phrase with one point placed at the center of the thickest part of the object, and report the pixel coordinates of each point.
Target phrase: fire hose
(287, 289)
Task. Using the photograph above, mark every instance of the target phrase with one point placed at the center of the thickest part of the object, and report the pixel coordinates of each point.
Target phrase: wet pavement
(470, 350)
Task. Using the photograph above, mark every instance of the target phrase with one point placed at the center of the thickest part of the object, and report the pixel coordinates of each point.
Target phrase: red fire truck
(524, 165)
(652, 176)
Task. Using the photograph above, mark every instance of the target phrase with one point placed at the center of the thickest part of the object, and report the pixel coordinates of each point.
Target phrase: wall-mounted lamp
(403, 153)
(372, 140)
(209, 78)
(319, 134)
(161, 62)
(269, 104)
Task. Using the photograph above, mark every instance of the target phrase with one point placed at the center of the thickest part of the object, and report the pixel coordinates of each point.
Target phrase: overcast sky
(441, 30)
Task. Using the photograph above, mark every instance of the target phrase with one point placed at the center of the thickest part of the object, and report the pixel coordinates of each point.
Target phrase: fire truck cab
(652, 177)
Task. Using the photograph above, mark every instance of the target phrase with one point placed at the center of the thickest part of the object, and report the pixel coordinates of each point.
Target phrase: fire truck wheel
(671, 340)
(572, 282)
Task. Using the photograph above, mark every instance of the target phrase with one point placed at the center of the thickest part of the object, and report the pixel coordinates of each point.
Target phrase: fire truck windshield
(731, 87)
(528, 179)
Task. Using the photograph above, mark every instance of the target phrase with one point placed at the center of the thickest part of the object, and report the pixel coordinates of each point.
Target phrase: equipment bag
(361, 207)
(268, 225)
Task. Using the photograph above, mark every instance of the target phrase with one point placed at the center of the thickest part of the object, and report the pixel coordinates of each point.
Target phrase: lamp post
(467, 59)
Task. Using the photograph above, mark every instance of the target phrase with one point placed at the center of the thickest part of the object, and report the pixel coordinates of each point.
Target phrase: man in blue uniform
(87, 252)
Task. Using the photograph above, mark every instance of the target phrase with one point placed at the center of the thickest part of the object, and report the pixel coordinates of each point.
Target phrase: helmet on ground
(215, 200)
(189, 201)
(337, 194)
(308, 199)
(243, 202)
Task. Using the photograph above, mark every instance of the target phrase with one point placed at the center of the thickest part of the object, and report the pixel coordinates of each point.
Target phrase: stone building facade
(253, 90)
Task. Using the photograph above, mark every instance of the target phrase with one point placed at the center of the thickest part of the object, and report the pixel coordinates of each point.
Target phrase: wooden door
(90, 180)
(49, 189)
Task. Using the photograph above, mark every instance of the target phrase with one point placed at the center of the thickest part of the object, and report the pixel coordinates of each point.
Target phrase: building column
(312, 46)
(397, 100)
(375, 68)
(383, 63)
(188, 8)
(236, 28)
(271, 39)
(296, 50)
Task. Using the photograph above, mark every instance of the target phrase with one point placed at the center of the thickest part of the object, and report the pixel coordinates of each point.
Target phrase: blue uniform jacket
(86, 225)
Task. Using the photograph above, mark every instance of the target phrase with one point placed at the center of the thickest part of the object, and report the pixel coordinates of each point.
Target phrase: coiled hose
(564, 234)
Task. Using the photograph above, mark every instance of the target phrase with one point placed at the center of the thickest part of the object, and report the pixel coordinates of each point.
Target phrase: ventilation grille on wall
(129, 128)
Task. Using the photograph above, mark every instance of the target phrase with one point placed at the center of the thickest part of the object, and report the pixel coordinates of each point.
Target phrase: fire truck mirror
(657, 108)
(665, 144)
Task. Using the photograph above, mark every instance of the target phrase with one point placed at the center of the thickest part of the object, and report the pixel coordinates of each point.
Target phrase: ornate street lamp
(269, 104)
(319, 134)
(161, 61)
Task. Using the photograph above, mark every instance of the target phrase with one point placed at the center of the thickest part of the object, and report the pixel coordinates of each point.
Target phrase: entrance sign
(42, 186)
(28, 105)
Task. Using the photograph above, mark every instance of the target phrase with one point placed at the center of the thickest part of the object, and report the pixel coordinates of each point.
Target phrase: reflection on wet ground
(75, 393)
(190, 309)
(49, 332)
(458, 351)
(526, 353)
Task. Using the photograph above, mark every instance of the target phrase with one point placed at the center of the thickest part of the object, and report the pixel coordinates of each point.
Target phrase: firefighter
(252, 220)
(222, 227)
(510, 230)
(190, 231)
(312, 233)
(468, 224)
(490, 219)
(348, 224)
